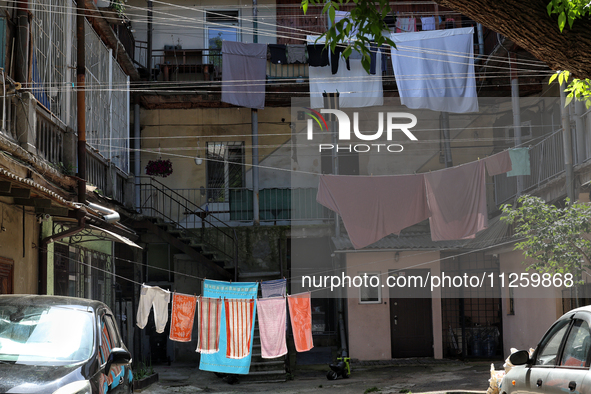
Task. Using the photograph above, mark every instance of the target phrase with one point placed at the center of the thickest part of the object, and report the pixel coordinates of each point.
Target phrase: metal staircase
(188, 227)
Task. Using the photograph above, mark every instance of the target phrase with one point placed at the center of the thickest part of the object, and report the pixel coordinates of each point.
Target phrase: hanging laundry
(368, 217)
(183, 315)
(219, 362)
(157, 298)
(244, 71)
(300, 313)
(272, 319)
(239, 324)
(356, 87)
(318, 55)
(428, 23)
(278, 53)
(498, 163)
(457, 201)
(273, 288)
(435, 70)
(296, 53)
(520, 162)
(406, 25)
(336, 56)
(210, 310)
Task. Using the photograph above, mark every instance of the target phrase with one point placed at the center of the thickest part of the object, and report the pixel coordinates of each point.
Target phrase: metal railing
(236, 204)
(49, 139)
(176, 64)
(546, 162)
(96, 170)
(159, 201)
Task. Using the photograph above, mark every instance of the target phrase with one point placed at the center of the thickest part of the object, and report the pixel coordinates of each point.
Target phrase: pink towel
(374, 206)
(238, 327)
(300, 312)
(210, 311)
(457, 199)
(272, 316)
(498, 163)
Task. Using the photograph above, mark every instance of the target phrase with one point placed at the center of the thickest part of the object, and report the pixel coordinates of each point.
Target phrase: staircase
(267, 370)
(188, 227)
(209, 241)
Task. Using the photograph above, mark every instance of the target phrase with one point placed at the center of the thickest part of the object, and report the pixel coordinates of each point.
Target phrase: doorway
(411, 316)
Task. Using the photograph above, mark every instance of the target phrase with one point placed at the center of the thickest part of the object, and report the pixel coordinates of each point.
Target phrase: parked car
(560, 362)
(61, 345)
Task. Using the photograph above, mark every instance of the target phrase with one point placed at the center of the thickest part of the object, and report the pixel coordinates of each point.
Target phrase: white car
(560, 363)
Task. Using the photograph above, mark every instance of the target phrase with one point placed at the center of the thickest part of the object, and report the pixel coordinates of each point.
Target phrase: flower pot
(145, 382)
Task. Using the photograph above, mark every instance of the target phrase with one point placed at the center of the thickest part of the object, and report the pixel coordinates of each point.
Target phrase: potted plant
(144, 376)
(159, 167)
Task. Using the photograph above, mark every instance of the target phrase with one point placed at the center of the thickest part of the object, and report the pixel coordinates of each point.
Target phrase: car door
(573, 365)
(532, 378)
(114, 381)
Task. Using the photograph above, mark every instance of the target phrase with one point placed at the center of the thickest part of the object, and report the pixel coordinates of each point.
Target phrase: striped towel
(239, 315)
(300, 312)
(210, 311)
(272, 315)
(183, 315)
(273, 288)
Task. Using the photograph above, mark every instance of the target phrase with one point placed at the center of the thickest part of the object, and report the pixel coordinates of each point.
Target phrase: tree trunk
(526, 22)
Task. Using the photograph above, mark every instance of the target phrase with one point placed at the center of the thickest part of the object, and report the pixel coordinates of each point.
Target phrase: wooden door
(6, 275)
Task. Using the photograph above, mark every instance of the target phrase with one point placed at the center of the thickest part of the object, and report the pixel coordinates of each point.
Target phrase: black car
(61, 345)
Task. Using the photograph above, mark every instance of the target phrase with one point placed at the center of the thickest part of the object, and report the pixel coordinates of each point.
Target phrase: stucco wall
(534, 313)
(369, 324)
(21, 251)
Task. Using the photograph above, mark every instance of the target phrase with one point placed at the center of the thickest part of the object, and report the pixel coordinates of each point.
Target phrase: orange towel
(300, 312)
(238, 327)
(183, 314)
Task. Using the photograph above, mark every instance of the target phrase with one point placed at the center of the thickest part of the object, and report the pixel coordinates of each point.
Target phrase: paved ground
(412, 375)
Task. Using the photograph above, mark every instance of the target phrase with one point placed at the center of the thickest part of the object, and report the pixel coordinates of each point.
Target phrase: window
(221, 26)
(550, 345)
(525, 132)
(576, 350)
(370, 291)
(225, 169)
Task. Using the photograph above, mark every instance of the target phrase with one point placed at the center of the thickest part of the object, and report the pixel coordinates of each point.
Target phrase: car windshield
(45, 335)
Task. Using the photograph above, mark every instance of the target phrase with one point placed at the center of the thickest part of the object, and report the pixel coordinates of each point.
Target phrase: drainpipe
(136, 153)
(568, 146)
(21, 73)
(444, 125)
(580, 131)
(81, 100)
(149, 54)
(255, 167)
(480, 40)
(109, 215)
(516, 112)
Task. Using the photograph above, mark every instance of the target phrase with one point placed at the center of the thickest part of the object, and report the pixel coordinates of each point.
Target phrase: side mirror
(118, 356)
(519, 358)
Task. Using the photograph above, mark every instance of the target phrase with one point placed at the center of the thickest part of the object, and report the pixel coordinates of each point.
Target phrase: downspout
(516, 112)
(136, 153)
(109, 215)
(580, 131)
(81, 100)
(567, 142)
(149, 54)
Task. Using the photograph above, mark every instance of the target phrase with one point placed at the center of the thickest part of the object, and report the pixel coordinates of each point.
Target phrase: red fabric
(183, 315)
(300, 312)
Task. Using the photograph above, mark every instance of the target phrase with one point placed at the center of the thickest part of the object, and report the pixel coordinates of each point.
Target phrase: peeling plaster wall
(20, 249)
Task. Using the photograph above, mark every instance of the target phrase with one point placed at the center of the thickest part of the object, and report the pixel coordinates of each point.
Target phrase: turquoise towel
(519, 162)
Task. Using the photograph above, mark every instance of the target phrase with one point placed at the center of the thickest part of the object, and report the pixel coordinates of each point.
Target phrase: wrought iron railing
(159, 201)
(236, 204)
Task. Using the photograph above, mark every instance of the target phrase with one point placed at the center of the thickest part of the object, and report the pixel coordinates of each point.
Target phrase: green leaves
(561, 21)
(553, 237)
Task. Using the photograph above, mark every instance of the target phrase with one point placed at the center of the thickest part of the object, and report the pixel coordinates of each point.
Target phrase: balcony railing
(50, 139)
(274, 204)
(546, 162)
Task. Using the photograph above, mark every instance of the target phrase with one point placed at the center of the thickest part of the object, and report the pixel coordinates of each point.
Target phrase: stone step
(266, 366)
(264, 376)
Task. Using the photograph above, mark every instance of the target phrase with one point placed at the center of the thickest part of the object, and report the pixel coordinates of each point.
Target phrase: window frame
(378, 289)
(544, 342)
